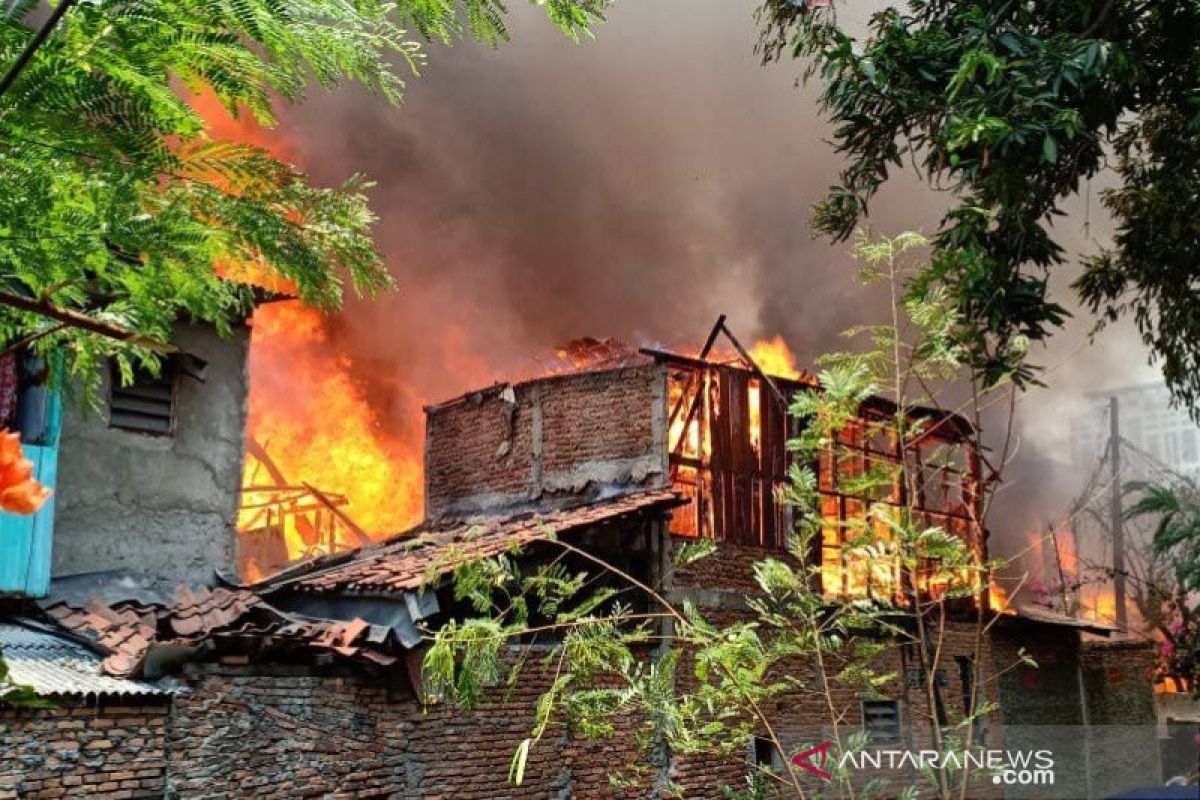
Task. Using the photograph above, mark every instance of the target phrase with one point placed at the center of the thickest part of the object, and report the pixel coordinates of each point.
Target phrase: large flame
(324, 472)
(315, 422)
(775, 358)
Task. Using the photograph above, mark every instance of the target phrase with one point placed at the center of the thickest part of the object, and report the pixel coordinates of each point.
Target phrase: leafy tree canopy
(1011, 105)
(118, 204)
(1174, 608)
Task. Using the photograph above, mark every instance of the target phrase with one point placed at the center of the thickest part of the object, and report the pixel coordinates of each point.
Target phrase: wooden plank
(772, 438)
(741, 453)
(721, 459)
(360, 535)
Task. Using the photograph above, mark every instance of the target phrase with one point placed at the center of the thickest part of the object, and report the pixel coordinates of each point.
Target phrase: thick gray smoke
(634, 186)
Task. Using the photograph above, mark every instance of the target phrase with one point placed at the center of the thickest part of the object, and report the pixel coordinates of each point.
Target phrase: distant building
(1161, 433)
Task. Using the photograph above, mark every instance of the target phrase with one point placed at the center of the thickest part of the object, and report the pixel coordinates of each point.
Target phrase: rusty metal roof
(56, 665)
(407, 563)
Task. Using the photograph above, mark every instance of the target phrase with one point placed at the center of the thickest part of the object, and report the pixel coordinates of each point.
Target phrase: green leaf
(516, 767)
(1049, 149)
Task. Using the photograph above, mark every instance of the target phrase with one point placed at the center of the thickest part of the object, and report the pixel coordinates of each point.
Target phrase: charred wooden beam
(359, 534)
(752, 363)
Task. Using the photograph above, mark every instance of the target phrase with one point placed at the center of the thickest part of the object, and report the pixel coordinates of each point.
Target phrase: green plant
(619, 655)
(1170, 600)
(122, 214)
(1010, 108)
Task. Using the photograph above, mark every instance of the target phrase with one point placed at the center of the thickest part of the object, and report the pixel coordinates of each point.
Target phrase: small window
(765, 754)
(881, 719)
(148, 404)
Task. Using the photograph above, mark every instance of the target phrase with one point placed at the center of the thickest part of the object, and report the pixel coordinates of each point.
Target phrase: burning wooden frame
(280, 523)
(728, 432)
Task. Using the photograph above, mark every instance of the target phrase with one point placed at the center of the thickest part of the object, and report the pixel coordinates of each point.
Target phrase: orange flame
(775, 358)
(999, 600)
(313, 420)
(318, 427)
(222, 125)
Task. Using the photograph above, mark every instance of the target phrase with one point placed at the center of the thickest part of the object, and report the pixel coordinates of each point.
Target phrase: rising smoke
(634, 186)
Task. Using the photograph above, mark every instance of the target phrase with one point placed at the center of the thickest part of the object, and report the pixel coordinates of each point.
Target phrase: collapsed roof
(361, 606)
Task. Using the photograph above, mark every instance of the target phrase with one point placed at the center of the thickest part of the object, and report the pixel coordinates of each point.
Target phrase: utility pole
(1116, 513)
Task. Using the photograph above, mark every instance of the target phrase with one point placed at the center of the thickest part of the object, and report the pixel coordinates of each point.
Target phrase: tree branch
(76, 319)
(35, 43)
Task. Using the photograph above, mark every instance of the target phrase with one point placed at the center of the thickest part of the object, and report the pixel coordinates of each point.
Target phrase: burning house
(306, 678)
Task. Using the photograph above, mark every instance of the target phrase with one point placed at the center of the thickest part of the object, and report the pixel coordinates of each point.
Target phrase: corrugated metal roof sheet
(54, 665)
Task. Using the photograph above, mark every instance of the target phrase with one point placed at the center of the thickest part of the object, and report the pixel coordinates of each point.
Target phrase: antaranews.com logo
(1007, 767)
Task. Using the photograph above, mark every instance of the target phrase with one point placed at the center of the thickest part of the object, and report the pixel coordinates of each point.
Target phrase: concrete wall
(534, 443)
(1118, 679)
(159, 505)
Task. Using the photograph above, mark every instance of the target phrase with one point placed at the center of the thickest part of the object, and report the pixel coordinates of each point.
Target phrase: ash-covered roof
(54, 665)
(407, 563)
(1040, 615)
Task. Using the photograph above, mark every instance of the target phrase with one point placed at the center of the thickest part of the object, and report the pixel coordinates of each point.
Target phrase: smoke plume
(635, 186)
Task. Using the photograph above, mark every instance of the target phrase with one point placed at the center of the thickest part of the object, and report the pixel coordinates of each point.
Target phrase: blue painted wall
(25, 541)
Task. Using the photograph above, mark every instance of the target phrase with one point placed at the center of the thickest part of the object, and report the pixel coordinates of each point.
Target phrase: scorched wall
(556, 438)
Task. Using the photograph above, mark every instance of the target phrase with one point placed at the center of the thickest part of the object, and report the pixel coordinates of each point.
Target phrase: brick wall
(719, 584)
(82, 750)
(241, 732)
(270, 732)
(558, 436)
(1117, 676)
(1123, 739)
(730, 568)
(802, 718)
(1047, 691)
(283, 735)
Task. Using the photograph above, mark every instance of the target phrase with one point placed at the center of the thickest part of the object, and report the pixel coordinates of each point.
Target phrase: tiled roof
(409, 562)
(196, 612)
(124, 632)
(127, 632)
(55, 665)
